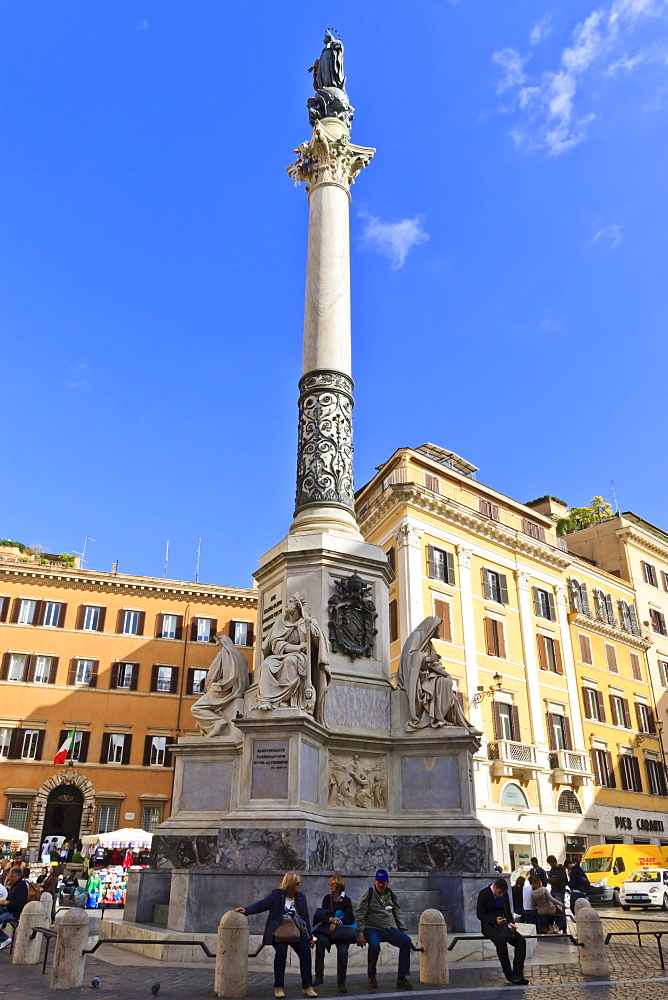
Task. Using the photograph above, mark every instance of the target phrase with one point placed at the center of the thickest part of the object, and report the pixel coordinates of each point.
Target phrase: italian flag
(64, 751)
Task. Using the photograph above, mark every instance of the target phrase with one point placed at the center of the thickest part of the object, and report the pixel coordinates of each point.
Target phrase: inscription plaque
(269, 779)
(272, 608)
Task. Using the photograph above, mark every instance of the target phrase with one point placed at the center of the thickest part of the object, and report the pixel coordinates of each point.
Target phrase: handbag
(344, 934)
(287, 932)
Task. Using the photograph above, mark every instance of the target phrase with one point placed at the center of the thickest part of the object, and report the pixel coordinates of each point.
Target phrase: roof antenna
(614, 496)
(199, 549)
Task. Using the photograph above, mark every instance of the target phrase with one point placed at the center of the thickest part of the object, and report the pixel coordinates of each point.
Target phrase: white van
(645, 887)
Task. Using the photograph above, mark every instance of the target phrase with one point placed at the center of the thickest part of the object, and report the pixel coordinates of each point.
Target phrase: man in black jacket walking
(17, 897)
(496, 922)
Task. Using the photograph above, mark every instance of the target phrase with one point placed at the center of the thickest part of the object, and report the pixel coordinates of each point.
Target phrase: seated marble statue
(226, 680)
(432, 698)
(295, 670)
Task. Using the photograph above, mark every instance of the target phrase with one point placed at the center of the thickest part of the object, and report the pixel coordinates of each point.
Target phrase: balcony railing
(509, 752)
(569, 760)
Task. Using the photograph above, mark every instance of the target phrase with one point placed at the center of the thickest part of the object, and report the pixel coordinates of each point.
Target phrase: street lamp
(481, 693)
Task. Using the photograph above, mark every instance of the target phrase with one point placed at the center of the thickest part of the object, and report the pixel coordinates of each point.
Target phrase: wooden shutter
(584, 599)
(638, 718)
(120, 621)
(515, 723)
(486, 586)
(526, 526)
(611, 658)
(178, 633)
(250, 635)
(651, 720)
(557, 656)
(450, 568)
(610, 608)
(213, 629)
(40, 745)
(193, 630)
(93, 674)
(550, 731)
(635, 769)
(15, 744)
(568, 738)
(585, 648)
(168, 752)
(627, 713)
(16, 610)
(38, 616)
(496, 717)
(154, 677)
(503, 587)
(552, 610)
(500, 640)
(536, 601)
(489, 637)
(431, 562)
(29, 672)
(635, 628)
(611, 773)
(542, 654)
(148, 741)
(81, 614)
(127, 746)
(635, 666)
(72, 671)
(174, 680)
(134, 680)
(394, 625)
(62, 738)
(190, 680)
(114, 675)
(4, 669)
(104, 750)
(83, 748)
(4, 608)
(101, 619)
(159, 619)
(442, 611)
(231, 629)
(585, 701)
(141, 623)
(53, 671)
(601, 705)
(62, 615)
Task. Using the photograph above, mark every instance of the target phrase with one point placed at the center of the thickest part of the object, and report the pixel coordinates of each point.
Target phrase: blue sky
(508, 259)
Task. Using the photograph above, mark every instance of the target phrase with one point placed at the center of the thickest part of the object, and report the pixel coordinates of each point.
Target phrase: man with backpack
(12, 907)
(578, 883)
(557, 877)
(379, 919)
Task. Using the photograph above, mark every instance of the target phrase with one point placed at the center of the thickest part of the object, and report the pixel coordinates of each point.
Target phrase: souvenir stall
(110, 855)
(11, 841)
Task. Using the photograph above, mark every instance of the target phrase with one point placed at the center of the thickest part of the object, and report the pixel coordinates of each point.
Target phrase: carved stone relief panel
(357, 781)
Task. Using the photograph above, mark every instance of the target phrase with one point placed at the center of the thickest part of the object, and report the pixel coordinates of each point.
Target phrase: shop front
(619, 825)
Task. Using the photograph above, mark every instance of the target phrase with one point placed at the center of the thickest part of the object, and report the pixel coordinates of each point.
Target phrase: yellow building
(495, 573)
(119, 659)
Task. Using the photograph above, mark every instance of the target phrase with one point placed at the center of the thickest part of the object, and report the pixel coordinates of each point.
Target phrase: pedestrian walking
(379, 919)
(287, 924)
(557, 879)
(496, 924)
(334, 924)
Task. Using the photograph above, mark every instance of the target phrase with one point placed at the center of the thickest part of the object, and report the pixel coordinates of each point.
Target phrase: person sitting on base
(496, 923)
(12, 906)
(336, 912)
(379, 919)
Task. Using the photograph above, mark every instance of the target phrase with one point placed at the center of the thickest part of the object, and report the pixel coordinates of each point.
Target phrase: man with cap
(379, 919)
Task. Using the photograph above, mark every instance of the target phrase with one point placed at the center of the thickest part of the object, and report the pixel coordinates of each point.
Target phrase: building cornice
(649, 543)
(609, 631)
(457, 514)
(145, 586)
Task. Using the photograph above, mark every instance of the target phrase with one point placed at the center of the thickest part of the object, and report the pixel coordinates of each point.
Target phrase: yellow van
(607, 865)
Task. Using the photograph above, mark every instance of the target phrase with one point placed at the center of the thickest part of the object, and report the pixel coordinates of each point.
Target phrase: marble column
(468, 628)
(325, 500)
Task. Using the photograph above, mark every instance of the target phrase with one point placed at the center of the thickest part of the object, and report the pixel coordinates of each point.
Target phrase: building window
(151, 816)
(5, 740)
(164, 678)
(506, 721)
(197, 681)
(585, 648)
(628, 618)
(603, 772)
(593, 704)
(630, 771)
(488, 508)
(512, 795)
(115, 748)
(432, 483)
(107, 817)
(442, 611)
(394, 621)
(645, 716)
(169, 623)
(84, 672)
(559, 732)
(203, 630)
(636, 672)
(52, 613)
(42, 669)
(506, 717)
(495, 586)
(611, 659)
(549, 654)
(605, 610)
(157, 752)
(391, 560)
(568, 802)
(620, 711)
(658, 621)
(649, 574)
(579, 597)
(543, 602)
(17, 666)
(664, 580)
(130, 623)
(533, 530)
(124, 676)
(241, 633)
(27, 612)
(30, 744)
(494, 638)
(17, 815)
(441, 565)
(655, 777)
(663, 672)
(91, 619)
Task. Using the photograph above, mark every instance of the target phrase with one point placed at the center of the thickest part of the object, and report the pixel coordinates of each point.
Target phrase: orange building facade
(118, 659)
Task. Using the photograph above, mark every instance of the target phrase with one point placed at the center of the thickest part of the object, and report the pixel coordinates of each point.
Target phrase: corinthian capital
(329, 157)
(523, 579)
(408, 534)
(464, 555)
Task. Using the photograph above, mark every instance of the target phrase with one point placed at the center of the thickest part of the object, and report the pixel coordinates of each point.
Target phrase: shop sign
(644, 824)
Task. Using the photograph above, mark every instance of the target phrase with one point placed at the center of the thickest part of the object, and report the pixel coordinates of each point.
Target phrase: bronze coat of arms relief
(352, 616)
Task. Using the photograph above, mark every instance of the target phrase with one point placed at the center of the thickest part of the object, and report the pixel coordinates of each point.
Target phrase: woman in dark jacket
(337, 910)
(282, 902)
(518, 904)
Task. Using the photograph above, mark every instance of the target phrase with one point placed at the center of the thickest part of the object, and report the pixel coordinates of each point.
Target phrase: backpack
(34, 892)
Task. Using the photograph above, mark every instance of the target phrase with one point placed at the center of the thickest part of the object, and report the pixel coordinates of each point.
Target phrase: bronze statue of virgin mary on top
(329, 83)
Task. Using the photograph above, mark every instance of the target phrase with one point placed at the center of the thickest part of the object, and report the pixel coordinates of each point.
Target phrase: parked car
(607, 865)
(522, 870)
(645, 887)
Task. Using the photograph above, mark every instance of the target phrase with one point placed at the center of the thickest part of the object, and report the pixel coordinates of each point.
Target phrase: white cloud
(78, 375)
(549, 102)
(612, 234)
(540, 30)
(143, 25)
(394, 239)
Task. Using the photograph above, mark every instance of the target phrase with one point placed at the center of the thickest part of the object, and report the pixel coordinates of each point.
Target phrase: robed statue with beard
(432, 699)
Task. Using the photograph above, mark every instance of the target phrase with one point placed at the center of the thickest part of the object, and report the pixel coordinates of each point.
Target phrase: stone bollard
(68, 958)
(580, 904)
(593, 955)
(433, 939)
(26, 952)
(46, 901)
(231, 978)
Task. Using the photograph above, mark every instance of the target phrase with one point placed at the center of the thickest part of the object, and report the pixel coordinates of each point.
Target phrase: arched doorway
(64, 808)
